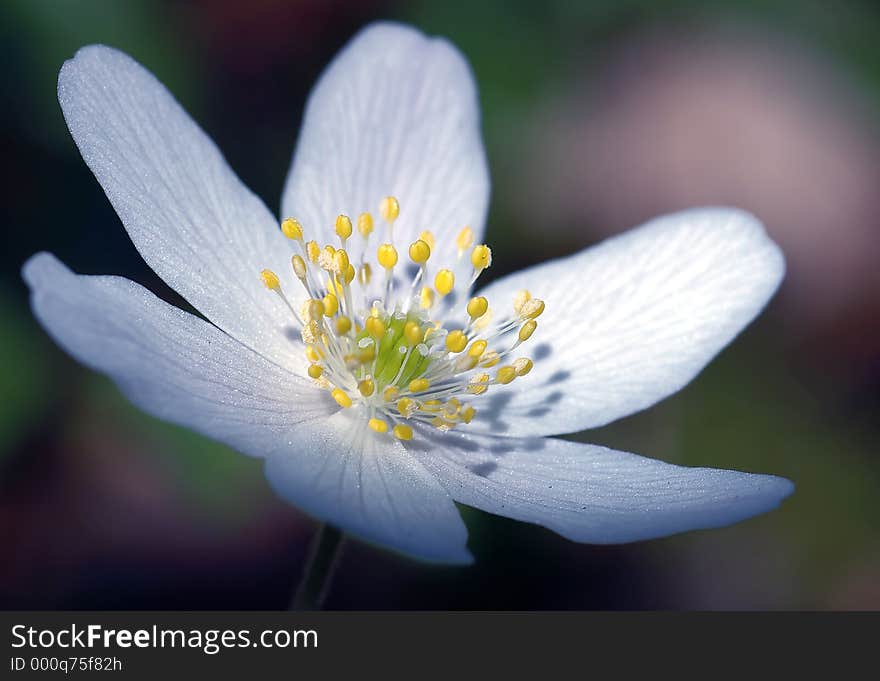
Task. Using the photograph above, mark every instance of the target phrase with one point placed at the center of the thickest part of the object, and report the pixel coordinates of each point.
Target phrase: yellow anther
(331, 305)
(477, 307)
(426, 298)
(315, 370)
(467, 414)
(349, 273)
(292, 229)
(406, 406)
(478, 384)
(365, 273)
(313, 354)
(428, 237)
(378, 425)
(311, 333)
(477, 348)
(456, 340)
(387, 256)
(520, 299)
(419, 252)
(527, 329)
(389, 209)
(432, 405)
(375, 327)
(343, 227)
(299, 267)
(413, 333)
(523, 366)
(464, 240)
(313, 251)
(365, 224)
(340, 259)
(390, 393)
(314, 309)
(444, 282)
(367, 387)
(418, 385)
(490, 359)
(327, 258)
(532, 309)
(343, 326)
(341, 397)
(270, 280)
(403, 432)
(505, 374)
(367, 354)
(481, 257)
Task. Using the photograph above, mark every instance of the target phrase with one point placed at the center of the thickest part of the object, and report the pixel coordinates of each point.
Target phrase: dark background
(596, 115)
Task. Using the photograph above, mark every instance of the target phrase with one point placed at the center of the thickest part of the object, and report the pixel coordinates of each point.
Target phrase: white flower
(381, 441)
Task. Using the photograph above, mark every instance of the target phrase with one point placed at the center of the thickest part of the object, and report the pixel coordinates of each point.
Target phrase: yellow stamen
(444, 282)
(520, 299)
(331, 305)
(464, 240)
(481, 257)
(367, 387)
(343, 326)
(387, 256)
(270, 280)
(456, 340)
(292, 229)
(342, 399)
(378, 425)
(523, 366)
(506, 374)
(477, 307)
(365, 224)
(313, 251)
(419, 252)
(403, 432)
(375, 327)
(343, 227)
(527, 329)
(477, 348)
(315, 370)
(299, 267)
(389, 209)
(418, 385)
(413, 333)
(532, 308)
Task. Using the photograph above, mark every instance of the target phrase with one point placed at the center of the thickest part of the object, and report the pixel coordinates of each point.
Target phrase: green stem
(318, 572)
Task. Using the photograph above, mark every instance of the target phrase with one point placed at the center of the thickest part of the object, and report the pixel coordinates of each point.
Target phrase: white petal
(395, 113)
(367, 484)
(632, 320)
(589, 493)
(189, 216)
(169, 362)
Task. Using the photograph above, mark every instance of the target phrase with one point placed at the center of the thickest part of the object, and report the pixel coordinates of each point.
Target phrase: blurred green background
(597, 116)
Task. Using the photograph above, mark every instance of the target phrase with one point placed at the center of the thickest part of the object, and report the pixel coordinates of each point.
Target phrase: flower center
(396, 346)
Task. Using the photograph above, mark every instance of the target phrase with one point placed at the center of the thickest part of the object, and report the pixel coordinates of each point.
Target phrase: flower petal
(169, 362)
(189, 216)
(633, 319)
(367, 484)
(395, 113)
(589, 493)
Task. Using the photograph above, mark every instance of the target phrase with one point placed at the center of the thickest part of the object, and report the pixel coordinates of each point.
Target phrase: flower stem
(318, 572)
